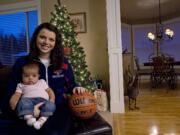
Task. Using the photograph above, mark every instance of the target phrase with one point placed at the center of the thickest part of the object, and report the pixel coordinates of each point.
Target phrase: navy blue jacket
(61, 81)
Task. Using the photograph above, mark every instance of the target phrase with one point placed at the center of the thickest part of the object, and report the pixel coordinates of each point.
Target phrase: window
(142, 46)
(126, 38)
(172, 47)
(16, 29)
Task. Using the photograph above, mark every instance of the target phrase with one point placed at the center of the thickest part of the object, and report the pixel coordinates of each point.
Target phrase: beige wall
(47, 6)
(94, 41)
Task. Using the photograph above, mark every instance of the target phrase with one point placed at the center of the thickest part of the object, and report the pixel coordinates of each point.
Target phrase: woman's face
(45, 42)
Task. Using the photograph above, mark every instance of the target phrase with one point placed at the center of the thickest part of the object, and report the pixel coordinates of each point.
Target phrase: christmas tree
(74, 52)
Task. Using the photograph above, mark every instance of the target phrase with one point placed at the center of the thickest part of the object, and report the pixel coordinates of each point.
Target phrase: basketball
(83, 105)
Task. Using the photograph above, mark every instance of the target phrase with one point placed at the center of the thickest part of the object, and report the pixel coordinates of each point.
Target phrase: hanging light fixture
(161, 33)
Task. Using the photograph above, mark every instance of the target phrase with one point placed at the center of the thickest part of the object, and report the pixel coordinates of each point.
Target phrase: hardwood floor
(159, 113)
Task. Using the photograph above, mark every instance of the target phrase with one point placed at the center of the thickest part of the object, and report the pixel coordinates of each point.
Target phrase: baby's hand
(52, 100)
(37, 110)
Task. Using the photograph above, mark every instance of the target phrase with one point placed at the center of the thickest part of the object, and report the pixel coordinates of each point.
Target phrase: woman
(46, 48)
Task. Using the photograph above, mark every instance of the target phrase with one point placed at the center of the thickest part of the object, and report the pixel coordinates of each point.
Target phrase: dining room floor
(159, 113)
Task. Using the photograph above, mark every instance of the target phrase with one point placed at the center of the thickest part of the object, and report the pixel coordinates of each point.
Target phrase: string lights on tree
(73, 50)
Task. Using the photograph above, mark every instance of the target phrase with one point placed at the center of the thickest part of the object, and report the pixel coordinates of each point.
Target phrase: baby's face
(30, 76)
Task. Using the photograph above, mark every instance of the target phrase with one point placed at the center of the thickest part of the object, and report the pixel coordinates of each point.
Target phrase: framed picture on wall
(79, 22)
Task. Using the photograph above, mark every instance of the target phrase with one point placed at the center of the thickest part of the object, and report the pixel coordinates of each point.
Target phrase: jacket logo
(58, 74)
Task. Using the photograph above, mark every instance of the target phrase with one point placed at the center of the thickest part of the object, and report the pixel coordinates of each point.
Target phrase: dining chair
(172, 82)
(158, 73)
(141, 72)
(162, 72)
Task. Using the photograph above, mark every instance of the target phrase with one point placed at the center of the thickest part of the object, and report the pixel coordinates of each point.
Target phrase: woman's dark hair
(57, 55)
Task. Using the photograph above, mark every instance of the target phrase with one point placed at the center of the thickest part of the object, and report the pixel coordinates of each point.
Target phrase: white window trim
(22, 7)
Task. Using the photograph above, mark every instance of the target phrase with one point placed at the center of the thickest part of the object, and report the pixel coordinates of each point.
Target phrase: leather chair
(93, 126)
(11, 126)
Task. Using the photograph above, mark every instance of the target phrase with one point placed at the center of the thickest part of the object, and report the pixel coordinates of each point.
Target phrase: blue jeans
(25, 106)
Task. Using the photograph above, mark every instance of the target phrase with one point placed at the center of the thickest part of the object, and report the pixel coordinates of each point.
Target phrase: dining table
(172, 75)
(173, 63)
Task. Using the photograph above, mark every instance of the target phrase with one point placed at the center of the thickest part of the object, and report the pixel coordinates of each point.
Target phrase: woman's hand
(79, 90)
(51, 95)
(14, 100)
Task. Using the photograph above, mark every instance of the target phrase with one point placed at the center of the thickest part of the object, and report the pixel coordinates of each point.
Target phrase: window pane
(126, 38)
(13, 39)
(12, 23)
(143, 47)
(172, 47)
(32, 15)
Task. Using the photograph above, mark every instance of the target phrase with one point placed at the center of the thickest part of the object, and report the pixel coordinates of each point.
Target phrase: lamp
(160, 34)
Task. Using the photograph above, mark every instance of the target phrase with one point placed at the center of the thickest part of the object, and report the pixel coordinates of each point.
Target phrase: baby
(30, 92)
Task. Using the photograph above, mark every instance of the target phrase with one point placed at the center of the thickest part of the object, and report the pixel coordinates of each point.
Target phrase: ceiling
(147, 11)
